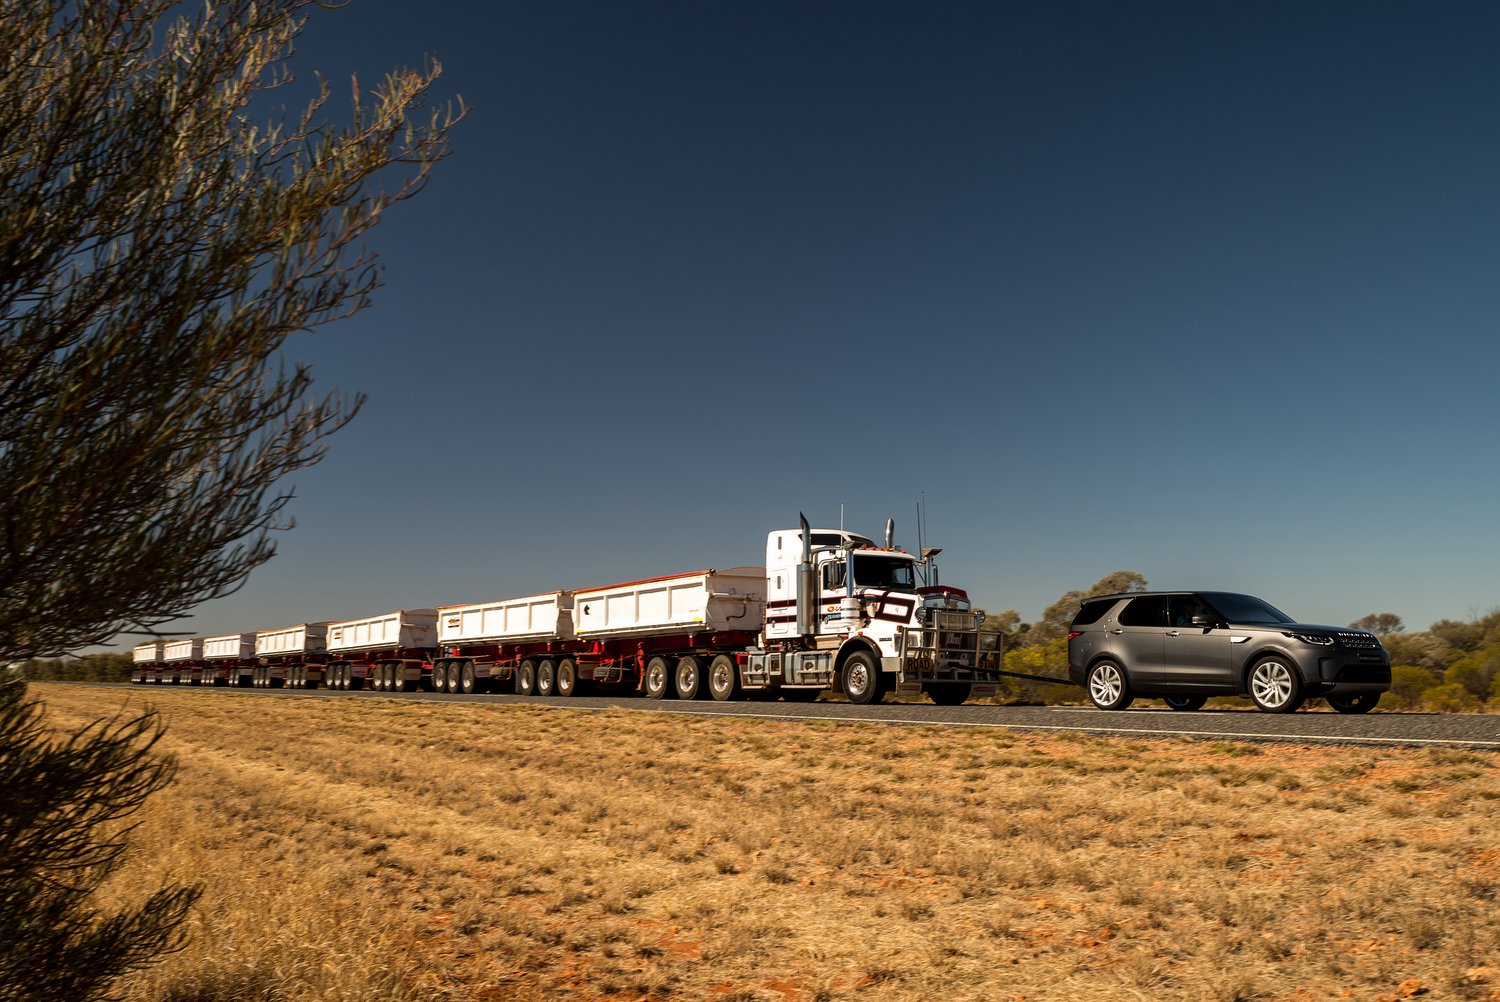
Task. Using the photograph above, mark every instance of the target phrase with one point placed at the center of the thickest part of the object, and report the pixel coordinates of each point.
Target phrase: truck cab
(846, 613)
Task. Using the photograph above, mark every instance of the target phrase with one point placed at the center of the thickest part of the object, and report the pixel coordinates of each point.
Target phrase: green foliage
(108, 667)
(1408, 682)
(62, 801)
(158, 248)
(1380, 623)
(1049, 659)
(1475, 672)
(1424, 649)
(1057, 616)
(1449, 698)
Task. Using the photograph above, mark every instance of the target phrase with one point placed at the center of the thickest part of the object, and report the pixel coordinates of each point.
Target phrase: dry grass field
(365, 849)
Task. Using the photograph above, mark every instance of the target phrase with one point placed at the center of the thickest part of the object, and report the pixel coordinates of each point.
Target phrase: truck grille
(954, 621)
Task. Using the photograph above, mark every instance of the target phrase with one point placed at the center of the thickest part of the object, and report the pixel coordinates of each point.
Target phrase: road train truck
(830, 610)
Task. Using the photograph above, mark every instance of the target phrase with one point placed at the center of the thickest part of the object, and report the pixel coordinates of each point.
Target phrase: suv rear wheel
(1108, 688)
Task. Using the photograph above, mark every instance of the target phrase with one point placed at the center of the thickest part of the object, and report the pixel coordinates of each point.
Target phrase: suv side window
(1092, 611)
(1147, 611)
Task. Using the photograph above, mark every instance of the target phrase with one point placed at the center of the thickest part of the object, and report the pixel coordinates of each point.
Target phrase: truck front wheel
(862, 679)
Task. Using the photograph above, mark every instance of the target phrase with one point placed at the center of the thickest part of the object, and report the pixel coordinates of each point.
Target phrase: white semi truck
(830, 611)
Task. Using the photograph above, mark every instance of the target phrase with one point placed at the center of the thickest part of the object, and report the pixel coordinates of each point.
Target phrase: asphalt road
(1410, 729)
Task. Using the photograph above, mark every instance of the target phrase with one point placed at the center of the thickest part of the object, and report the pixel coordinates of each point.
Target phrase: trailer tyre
(688, 679)
(439, 682)
(465, 680)
(567, 677)
(658, 678)
(862, 679)
(398, 678)
(526, 678)
(546, 678)
(723, 678)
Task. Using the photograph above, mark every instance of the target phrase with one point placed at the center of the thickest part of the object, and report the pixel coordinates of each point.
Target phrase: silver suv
(1184, 646)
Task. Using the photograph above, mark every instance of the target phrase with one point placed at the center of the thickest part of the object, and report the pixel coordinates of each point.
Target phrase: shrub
(1408, 682)
(1450, 697)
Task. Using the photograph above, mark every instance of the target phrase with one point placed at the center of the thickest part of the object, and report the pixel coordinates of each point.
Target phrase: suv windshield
(1245, 609)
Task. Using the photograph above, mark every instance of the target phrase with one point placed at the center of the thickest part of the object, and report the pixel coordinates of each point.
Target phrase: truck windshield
(884, 572)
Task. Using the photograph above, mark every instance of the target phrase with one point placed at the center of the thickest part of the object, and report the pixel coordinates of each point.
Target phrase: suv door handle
(1116, 632)
(1173, 633)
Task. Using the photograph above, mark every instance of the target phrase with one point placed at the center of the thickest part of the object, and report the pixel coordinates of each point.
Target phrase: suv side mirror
(1204, 621)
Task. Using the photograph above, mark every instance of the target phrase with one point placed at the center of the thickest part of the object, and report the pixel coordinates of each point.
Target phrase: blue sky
(1205, 291)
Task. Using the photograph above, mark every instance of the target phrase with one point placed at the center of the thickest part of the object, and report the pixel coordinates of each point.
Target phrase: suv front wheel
(1108, 688)
(1275, 685)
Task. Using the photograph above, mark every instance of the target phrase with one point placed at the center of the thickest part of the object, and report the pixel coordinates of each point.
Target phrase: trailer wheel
(465, 681)
(439, 680)
(398, 678)
(949, 693)
(723, 678)
(567, 677)
(526, 678)
(546, 678)
(862, 679)
(658, 678)
(688, 679)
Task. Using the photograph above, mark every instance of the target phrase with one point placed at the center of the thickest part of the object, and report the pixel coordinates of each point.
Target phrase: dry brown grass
(367, 848)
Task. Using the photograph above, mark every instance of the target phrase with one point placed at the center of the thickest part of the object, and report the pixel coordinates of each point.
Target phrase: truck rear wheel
(688, 679)
(723, 678)
(398, 678)
(462, 679)
(567, 677)
(546, 678)
(862, 679)
(440, 676)
(526, 678)
(658, 678)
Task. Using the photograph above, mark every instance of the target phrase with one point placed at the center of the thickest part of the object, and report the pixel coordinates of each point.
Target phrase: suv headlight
(1318, 639)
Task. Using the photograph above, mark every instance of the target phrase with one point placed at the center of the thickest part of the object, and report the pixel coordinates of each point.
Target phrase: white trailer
(712, 600)
(229, 659)
(184, 660)
(638, 633)
(147, 660)
(383, 651)
(485, 643)
(292, 656)
(549, 615)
